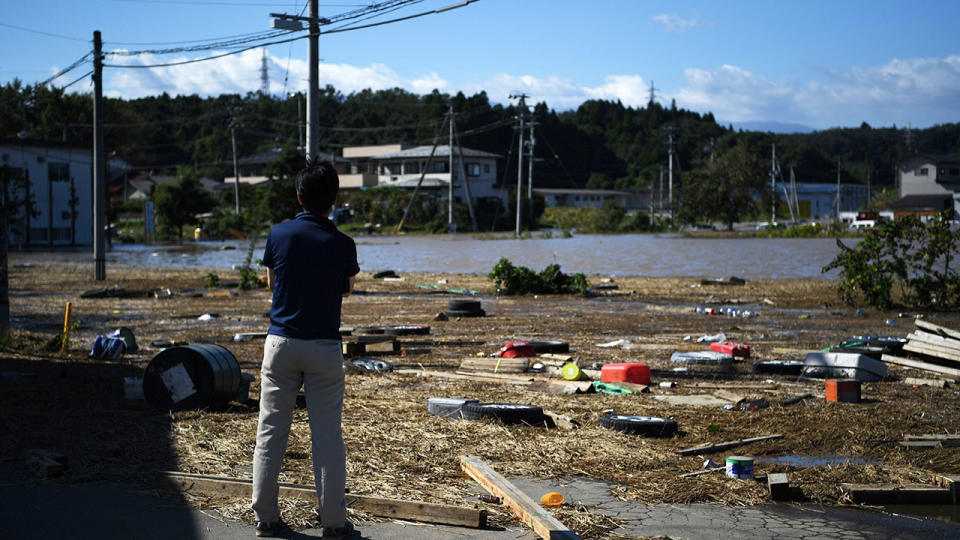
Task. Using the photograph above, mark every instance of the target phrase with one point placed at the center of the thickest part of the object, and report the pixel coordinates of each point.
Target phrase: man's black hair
(317, 185)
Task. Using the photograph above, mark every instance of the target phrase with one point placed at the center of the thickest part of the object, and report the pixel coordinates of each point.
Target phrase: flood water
(659, 255)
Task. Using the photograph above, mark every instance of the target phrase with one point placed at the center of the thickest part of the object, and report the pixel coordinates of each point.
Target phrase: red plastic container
(843, 390)
(634, 372)
(731, 348)
(516, 349)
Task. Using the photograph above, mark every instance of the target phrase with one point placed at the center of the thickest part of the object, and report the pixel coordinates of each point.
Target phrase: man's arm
(350, 281)
(271, 279)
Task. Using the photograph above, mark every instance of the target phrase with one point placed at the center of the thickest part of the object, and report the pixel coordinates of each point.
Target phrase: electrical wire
(42, 33)
(238, 42)
(204, 59)
(236, 36)
(408, 17)
(82, 77)
(67, 69)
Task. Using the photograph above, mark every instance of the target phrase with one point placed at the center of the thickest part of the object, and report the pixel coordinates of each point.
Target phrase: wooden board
(896, 494)
(946, 440)
(933, 350)
(719, 447)
(920, 364)
(487, 377)
(935, 339)
(530, 513)
(560, 386)
(393, 508)
(495, 365)
(937, 329)
(921, 445)
(935, 383)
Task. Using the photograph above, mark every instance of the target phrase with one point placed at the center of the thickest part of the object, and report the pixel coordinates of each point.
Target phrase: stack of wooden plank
(495, 365)
(931, 348)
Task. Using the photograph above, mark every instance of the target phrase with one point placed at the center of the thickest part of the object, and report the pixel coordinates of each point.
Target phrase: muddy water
(621, 255)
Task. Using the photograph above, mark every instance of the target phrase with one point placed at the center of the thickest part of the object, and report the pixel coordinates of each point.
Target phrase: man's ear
(299, 200)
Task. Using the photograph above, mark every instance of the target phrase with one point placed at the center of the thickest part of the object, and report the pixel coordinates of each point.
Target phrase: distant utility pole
(236, 170)
(522, 107)
(533, 142)
(838, 189)
(451, 224)
(264, 74)
(653, 94)
(670, 131)
(774, 171)
(99, 191)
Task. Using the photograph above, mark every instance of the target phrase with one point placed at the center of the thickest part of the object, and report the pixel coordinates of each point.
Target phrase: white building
(60, 187)
(929, 183)
(401, 166)
(594, 198)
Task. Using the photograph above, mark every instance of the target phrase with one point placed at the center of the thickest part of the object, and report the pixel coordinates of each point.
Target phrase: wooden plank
(933, 350)
(735, 386)
(896, 494)
(732, 397)
(937, 329)
(532, 514)
(560, 386)
(919, 364)
(947, 441)
(935, 339)
(700, 473)
(719, 447)
(393, 508)
(921, 445)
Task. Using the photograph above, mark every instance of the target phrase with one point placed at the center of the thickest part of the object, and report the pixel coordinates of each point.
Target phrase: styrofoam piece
(834, 365)
(709, 358)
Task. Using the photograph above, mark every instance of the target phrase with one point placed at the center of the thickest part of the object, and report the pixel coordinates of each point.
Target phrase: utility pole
(522, 107)
(236, 170)
(660, 193)
(99, 199)
(451, 224)
(670, 131)
(774, 170)
(838, 190)
(313, 86)
(533, 142)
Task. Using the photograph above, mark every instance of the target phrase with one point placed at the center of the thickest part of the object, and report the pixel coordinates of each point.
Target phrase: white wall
(51, 198)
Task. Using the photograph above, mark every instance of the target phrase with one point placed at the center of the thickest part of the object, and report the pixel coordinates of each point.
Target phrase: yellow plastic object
(571, 372)
(552, 499)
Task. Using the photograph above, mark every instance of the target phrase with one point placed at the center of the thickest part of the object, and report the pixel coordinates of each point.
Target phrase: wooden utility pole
(522, 107)
(451, 224)
(533, 142)
(313, 85)
(99, 198)
(236, 170)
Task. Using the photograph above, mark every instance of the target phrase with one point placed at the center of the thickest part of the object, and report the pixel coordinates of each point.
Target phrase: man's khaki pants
(317, 365)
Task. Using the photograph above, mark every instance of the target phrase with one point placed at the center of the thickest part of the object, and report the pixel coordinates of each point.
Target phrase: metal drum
(191, 377)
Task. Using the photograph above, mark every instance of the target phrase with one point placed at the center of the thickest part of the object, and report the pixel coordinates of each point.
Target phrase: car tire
(508, 413)
(460, 313)
(653, 426)
(555, 347)
(407, 330)
(463, 305)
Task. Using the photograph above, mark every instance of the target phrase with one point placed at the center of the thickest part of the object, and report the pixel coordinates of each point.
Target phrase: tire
(459, 313)
(447, 407)
(639, 425)
(407, 330)
(556, 347)
(463, 305)
(385, 274)
(508, 413)
(374, 330)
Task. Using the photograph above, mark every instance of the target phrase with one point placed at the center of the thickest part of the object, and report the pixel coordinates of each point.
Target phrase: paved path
(96, 511)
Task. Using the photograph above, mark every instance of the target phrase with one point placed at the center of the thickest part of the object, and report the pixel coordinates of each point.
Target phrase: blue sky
(813, 63)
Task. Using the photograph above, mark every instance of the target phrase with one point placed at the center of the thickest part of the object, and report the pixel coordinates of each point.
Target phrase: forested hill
(600, 144)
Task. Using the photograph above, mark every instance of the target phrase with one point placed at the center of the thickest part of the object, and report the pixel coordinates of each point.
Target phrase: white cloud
(674, 24)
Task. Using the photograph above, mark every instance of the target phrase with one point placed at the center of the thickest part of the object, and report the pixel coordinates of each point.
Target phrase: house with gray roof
(929, 183)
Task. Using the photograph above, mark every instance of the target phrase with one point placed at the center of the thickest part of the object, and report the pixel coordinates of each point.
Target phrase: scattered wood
(719, 447)
(561, 421)
(732, 397)
(795, 399)
(779, 486)
(937, 329)
(393, 508)
(699, 473)
(923, 347)
(47, 463)
(369, 344)
(562, 358)
(935, 340)
(897, 494)
(488, 377)
(935, 383)
(921, 445)
(543, 524)
(946, 440)
(560, 386)
(736, 386)
(920, 364)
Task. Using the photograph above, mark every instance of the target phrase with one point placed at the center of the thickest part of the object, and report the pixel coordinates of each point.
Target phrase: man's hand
(350, 281)
(271, 279)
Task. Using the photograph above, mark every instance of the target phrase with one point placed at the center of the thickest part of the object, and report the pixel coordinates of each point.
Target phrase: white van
(863, 224)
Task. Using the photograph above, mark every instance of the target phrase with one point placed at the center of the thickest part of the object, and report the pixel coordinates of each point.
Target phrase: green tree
(178, 203)
(724, 189)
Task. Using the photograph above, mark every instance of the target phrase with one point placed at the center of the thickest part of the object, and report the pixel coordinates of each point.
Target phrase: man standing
(310, 267)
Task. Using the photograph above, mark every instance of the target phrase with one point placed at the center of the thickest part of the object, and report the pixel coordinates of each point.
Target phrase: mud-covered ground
(396, 449)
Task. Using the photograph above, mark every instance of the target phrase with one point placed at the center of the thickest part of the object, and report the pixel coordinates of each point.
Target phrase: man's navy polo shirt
(311, 261)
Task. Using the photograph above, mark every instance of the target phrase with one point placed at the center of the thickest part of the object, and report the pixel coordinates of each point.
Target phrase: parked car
(863, 224)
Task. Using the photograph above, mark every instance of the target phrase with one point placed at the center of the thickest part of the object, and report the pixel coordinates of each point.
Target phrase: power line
(237, 42)
(222, 38)
(408, 17)
(67, 69)
(82, 77)
(204, 59)
(42, 33)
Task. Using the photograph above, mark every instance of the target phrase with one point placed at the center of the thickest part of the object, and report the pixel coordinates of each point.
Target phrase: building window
(440, 167)
(486, 168)
(411, 167)
(58, 172)
(923, 171)
(473, 169)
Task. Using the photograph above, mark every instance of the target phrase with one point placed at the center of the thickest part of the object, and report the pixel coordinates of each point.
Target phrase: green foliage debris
(518, 280)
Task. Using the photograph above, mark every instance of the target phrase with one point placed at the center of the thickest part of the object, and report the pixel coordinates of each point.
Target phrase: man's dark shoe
(268, 529)
(339, 532)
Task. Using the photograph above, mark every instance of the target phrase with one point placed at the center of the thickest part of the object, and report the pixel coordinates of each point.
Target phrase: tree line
(601, 144)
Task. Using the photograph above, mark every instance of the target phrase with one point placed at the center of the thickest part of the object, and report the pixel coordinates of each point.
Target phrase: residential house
(252, 170)
(402, 166)
(929, 183)
(58, 179)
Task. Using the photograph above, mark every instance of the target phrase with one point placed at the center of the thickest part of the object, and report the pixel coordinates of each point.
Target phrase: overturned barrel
(191, 377)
